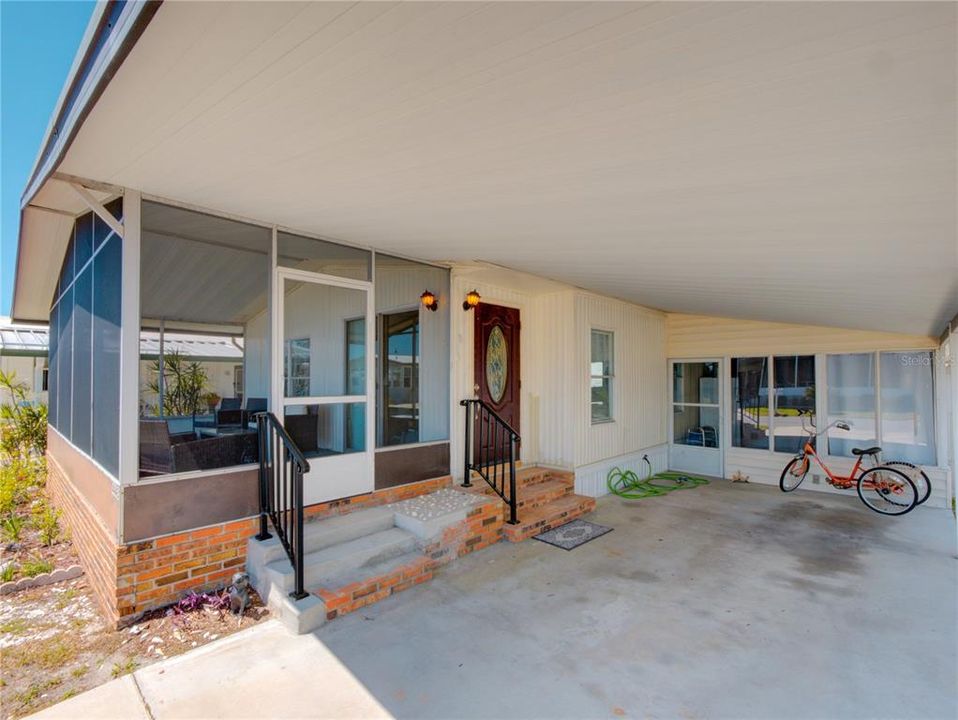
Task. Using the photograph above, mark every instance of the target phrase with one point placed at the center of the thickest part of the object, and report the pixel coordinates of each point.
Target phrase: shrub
(24, 427)
(46, 521)
(12, 527)
(8, 573)
(20, 478)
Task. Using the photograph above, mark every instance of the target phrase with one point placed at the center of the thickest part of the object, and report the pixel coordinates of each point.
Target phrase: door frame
(337, 476)
(720, 431)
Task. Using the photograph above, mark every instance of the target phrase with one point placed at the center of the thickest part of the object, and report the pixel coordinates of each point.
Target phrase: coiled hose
(626, 483)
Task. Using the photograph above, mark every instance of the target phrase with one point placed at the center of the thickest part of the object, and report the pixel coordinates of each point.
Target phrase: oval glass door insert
(497, 364)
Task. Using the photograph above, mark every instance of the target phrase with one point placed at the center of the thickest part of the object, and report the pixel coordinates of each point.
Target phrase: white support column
(130, 340)
(161, 377)
(273, 363)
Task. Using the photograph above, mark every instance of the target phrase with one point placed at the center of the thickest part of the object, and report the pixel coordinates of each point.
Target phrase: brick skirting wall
(159, 571)
(94, 543)
(481, 528)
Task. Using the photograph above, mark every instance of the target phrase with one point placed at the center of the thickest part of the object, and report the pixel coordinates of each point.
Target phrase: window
(793, 397)
(238, 381)
(695, 404)
(45, 381)
(750, 402)
(851, 399)
(412, 353)
(400, 378)
(296, 359)
(907, 400)
(601, 375)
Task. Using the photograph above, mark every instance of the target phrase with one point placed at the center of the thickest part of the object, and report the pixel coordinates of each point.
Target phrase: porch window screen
(793, 395)
(83, 366)
(204, 281)
(601, 375)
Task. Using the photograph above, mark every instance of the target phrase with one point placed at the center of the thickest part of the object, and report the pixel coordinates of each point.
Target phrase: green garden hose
(626, 484)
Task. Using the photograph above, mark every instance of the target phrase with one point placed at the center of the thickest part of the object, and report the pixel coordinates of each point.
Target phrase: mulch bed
(54, 644)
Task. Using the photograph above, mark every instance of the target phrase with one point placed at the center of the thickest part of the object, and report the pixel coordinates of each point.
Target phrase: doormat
(572, 534)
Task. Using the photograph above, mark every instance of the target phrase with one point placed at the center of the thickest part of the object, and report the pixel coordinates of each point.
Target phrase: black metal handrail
(495, 444)
(281, 469)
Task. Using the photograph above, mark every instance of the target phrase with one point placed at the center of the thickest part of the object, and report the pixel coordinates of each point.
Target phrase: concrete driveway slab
(116, 700)
(726, 601)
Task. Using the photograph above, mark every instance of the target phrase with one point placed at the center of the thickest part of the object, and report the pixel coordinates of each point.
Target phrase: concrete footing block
(302, 616)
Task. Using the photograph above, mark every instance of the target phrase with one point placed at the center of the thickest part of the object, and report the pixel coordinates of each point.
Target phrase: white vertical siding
(695, 336)
(640, 385)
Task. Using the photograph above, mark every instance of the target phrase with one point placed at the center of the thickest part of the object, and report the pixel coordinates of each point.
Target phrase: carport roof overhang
(779, 161)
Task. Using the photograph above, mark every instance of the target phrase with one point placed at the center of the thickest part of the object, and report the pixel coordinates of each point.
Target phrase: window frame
(288, 366)
(610, 376)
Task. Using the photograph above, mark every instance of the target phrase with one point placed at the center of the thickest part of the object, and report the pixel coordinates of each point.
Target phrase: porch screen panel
(65, 365)
(82, 361)
(204, 281)
(52, 368)
(84, 341)
(107, 266)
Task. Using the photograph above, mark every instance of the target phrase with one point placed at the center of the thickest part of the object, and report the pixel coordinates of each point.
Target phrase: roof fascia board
(89, 76)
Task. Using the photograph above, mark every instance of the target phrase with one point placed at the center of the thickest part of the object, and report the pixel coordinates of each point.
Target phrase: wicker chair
(162, 453)
(230, 413)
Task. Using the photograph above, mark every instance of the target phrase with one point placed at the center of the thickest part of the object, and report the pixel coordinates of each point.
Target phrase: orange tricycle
(884, 489)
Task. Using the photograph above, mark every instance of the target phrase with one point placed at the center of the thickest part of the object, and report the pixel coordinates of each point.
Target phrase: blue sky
(37, 43)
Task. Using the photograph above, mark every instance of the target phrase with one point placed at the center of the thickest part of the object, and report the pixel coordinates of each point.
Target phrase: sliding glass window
(412, 353)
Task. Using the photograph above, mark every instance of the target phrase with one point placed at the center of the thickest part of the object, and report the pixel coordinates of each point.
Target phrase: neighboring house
(24, 350)
(23, 353)
(203, 157)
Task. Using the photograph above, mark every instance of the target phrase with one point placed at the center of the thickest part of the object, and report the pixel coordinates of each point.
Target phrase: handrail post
(263, 480)
(513, 501)
(467, 446)
(299, 593)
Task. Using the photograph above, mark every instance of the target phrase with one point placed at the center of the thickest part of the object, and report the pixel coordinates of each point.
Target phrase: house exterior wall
(555, 345)
(702, 337)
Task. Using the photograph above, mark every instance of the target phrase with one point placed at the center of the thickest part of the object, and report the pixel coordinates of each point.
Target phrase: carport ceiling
(781, 161)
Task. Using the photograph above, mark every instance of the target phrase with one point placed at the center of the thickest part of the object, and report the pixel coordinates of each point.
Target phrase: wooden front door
(497, 362)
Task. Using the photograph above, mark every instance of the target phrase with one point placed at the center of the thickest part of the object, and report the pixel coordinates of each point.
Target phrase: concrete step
(533, 521)
(343, 557)
(326, 532)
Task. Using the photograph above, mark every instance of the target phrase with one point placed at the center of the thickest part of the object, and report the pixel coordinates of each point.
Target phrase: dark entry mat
(573, 534)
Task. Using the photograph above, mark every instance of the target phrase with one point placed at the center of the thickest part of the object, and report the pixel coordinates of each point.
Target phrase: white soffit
(792, 162)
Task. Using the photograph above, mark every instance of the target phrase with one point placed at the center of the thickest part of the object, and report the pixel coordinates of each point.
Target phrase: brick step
(350, 590)
(533, 521)
(536, 494)
(528, 476)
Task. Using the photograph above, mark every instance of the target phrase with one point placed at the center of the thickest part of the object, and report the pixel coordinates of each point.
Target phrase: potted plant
(212, 400)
